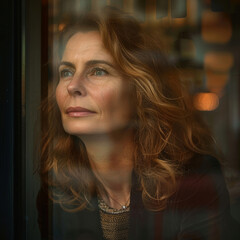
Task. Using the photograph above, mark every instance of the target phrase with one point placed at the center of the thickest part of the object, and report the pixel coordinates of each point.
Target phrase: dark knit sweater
(198, 210)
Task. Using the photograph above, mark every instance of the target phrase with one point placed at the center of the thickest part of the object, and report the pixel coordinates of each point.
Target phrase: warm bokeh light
(216, 27)
(216, 81)
(206, 101)
(61, 26)
(218, 61)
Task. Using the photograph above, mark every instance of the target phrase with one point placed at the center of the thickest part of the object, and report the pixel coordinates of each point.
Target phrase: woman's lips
(78, 112)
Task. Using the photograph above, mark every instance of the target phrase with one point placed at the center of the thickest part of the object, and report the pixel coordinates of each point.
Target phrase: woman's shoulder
(202, 199)
(202, 164)
(202, 181)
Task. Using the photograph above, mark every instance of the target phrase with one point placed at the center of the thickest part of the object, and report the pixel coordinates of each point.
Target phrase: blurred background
(202, 38)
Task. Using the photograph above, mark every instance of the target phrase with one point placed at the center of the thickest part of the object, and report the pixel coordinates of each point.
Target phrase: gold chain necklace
(123, 207)
(105, 208)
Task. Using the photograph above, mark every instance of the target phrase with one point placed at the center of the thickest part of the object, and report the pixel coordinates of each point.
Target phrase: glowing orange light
(219, 61)
(206, 101)
(61, 26)
(216, 27)
(216, 81)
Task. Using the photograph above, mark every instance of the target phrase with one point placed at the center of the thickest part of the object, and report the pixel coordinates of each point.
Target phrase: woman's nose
(76, 86)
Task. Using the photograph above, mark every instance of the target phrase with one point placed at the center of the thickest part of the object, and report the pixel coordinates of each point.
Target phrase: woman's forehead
(86, 45)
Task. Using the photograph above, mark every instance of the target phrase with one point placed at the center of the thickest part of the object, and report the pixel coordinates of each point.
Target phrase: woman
(126, 156)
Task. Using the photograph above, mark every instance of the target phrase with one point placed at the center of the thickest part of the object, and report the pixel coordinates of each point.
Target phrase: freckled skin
(89, 79)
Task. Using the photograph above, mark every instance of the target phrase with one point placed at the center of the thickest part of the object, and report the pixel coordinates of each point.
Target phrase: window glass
(200, 41)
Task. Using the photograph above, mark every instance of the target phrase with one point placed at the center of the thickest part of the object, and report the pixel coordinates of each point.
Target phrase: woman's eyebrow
(69, 64)
(87, 64)
(95, 62)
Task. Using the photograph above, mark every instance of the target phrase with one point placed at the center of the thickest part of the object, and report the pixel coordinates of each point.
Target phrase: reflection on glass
(126, 154)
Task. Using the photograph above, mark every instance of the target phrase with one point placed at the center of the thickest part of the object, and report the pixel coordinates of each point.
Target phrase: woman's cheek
(59, 96)
(108, 99)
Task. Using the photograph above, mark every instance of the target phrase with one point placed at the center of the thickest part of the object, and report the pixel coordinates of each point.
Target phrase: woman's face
(91, 94)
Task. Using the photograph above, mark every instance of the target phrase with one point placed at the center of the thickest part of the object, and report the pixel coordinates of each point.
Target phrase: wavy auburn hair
(168, 131)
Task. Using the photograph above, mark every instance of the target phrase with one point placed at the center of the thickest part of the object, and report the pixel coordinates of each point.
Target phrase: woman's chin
(103, 130)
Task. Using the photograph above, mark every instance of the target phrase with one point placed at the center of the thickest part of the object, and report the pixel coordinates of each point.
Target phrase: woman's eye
(66, 73)
(99, 72)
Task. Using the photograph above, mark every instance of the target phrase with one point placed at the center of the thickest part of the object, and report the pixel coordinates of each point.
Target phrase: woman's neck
(111, 159)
